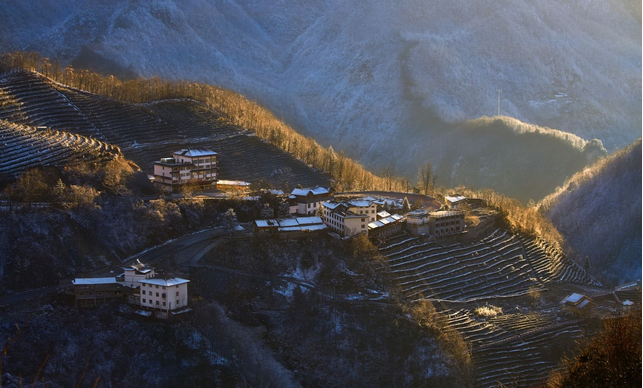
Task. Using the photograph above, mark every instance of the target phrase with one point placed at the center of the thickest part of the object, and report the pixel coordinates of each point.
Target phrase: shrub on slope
(598, 211)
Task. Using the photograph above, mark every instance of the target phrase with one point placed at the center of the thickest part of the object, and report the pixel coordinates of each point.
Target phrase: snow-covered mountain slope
(370, 76)
(598, 211)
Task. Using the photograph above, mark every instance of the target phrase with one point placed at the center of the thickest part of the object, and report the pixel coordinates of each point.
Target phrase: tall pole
(499, 102)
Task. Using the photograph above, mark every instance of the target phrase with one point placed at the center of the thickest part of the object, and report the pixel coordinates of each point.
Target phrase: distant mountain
(598, 211)
(375, 79)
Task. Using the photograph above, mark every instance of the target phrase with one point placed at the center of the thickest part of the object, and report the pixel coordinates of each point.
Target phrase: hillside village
(234, 228)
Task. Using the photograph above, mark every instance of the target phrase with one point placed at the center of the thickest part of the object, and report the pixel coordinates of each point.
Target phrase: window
(177, 293)
(143, 300)
(164, 304)
(157, 287)
(157, 294)
(163, 295)
(143, 292)
(363, 226)
(177, 302)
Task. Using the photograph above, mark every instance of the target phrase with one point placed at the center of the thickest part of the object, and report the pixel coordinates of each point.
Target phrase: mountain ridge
(596, 226)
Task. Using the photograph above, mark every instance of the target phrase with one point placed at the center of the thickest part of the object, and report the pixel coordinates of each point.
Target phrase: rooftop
(360, 203)
(315, 191)
(445, 213)
(331, 205)
(303, 222)
(194, 152)
(165, 282)
(93, 281)
(384, 221)
(455, 198)
(232, 183)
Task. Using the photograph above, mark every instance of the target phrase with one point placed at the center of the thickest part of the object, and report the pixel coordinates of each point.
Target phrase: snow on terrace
(499, 266)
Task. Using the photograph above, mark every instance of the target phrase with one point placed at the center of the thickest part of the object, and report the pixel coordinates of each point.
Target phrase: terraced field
(22, 147)
(499, 266)
(147, 132)
(515, 348)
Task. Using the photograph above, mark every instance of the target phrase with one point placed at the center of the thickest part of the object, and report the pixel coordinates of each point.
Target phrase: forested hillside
(516, 159)
(598, 211)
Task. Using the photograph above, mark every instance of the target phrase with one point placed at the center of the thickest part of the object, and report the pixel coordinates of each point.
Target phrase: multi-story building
(133, 274)
(198, 166)
(417, 222)
(349, 218)
(96, 291)
(164, 294)
(443, 223)
(307, 201)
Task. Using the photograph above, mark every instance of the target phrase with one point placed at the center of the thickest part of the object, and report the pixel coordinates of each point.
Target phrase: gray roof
(165, 282)
(88, 281)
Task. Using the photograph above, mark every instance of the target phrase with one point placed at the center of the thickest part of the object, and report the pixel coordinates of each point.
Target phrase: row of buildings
(139, 286)
(363, 215)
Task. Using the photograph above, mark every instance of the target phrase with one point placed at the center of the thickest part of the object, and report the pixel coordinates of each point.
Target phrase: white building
(164, 294)
(349, 218)
(307, 201)
(186, 166)
(133, 274)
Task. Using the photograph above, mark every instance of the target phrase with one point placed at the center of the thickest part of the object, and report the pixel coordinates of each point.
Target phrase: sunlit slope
(598, 211)
(148, 132)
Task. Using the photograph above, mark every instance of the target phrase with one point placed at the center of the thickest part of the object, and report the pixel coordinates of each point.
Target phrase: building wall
(371, 211)
(152, 296)
(97, 294)
(132, 279)
(447, 225)
(308, 208)
(355, 225)
(418, 225)
(386, 230)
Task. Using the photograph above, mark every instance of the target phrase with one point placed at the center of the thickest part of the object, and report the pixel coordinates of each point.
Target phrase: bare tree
(388, 174)
(426, 178)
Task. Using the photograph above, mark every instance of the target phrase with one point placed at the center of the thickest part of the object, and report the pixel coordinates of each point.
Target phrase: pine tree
(406, 206)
